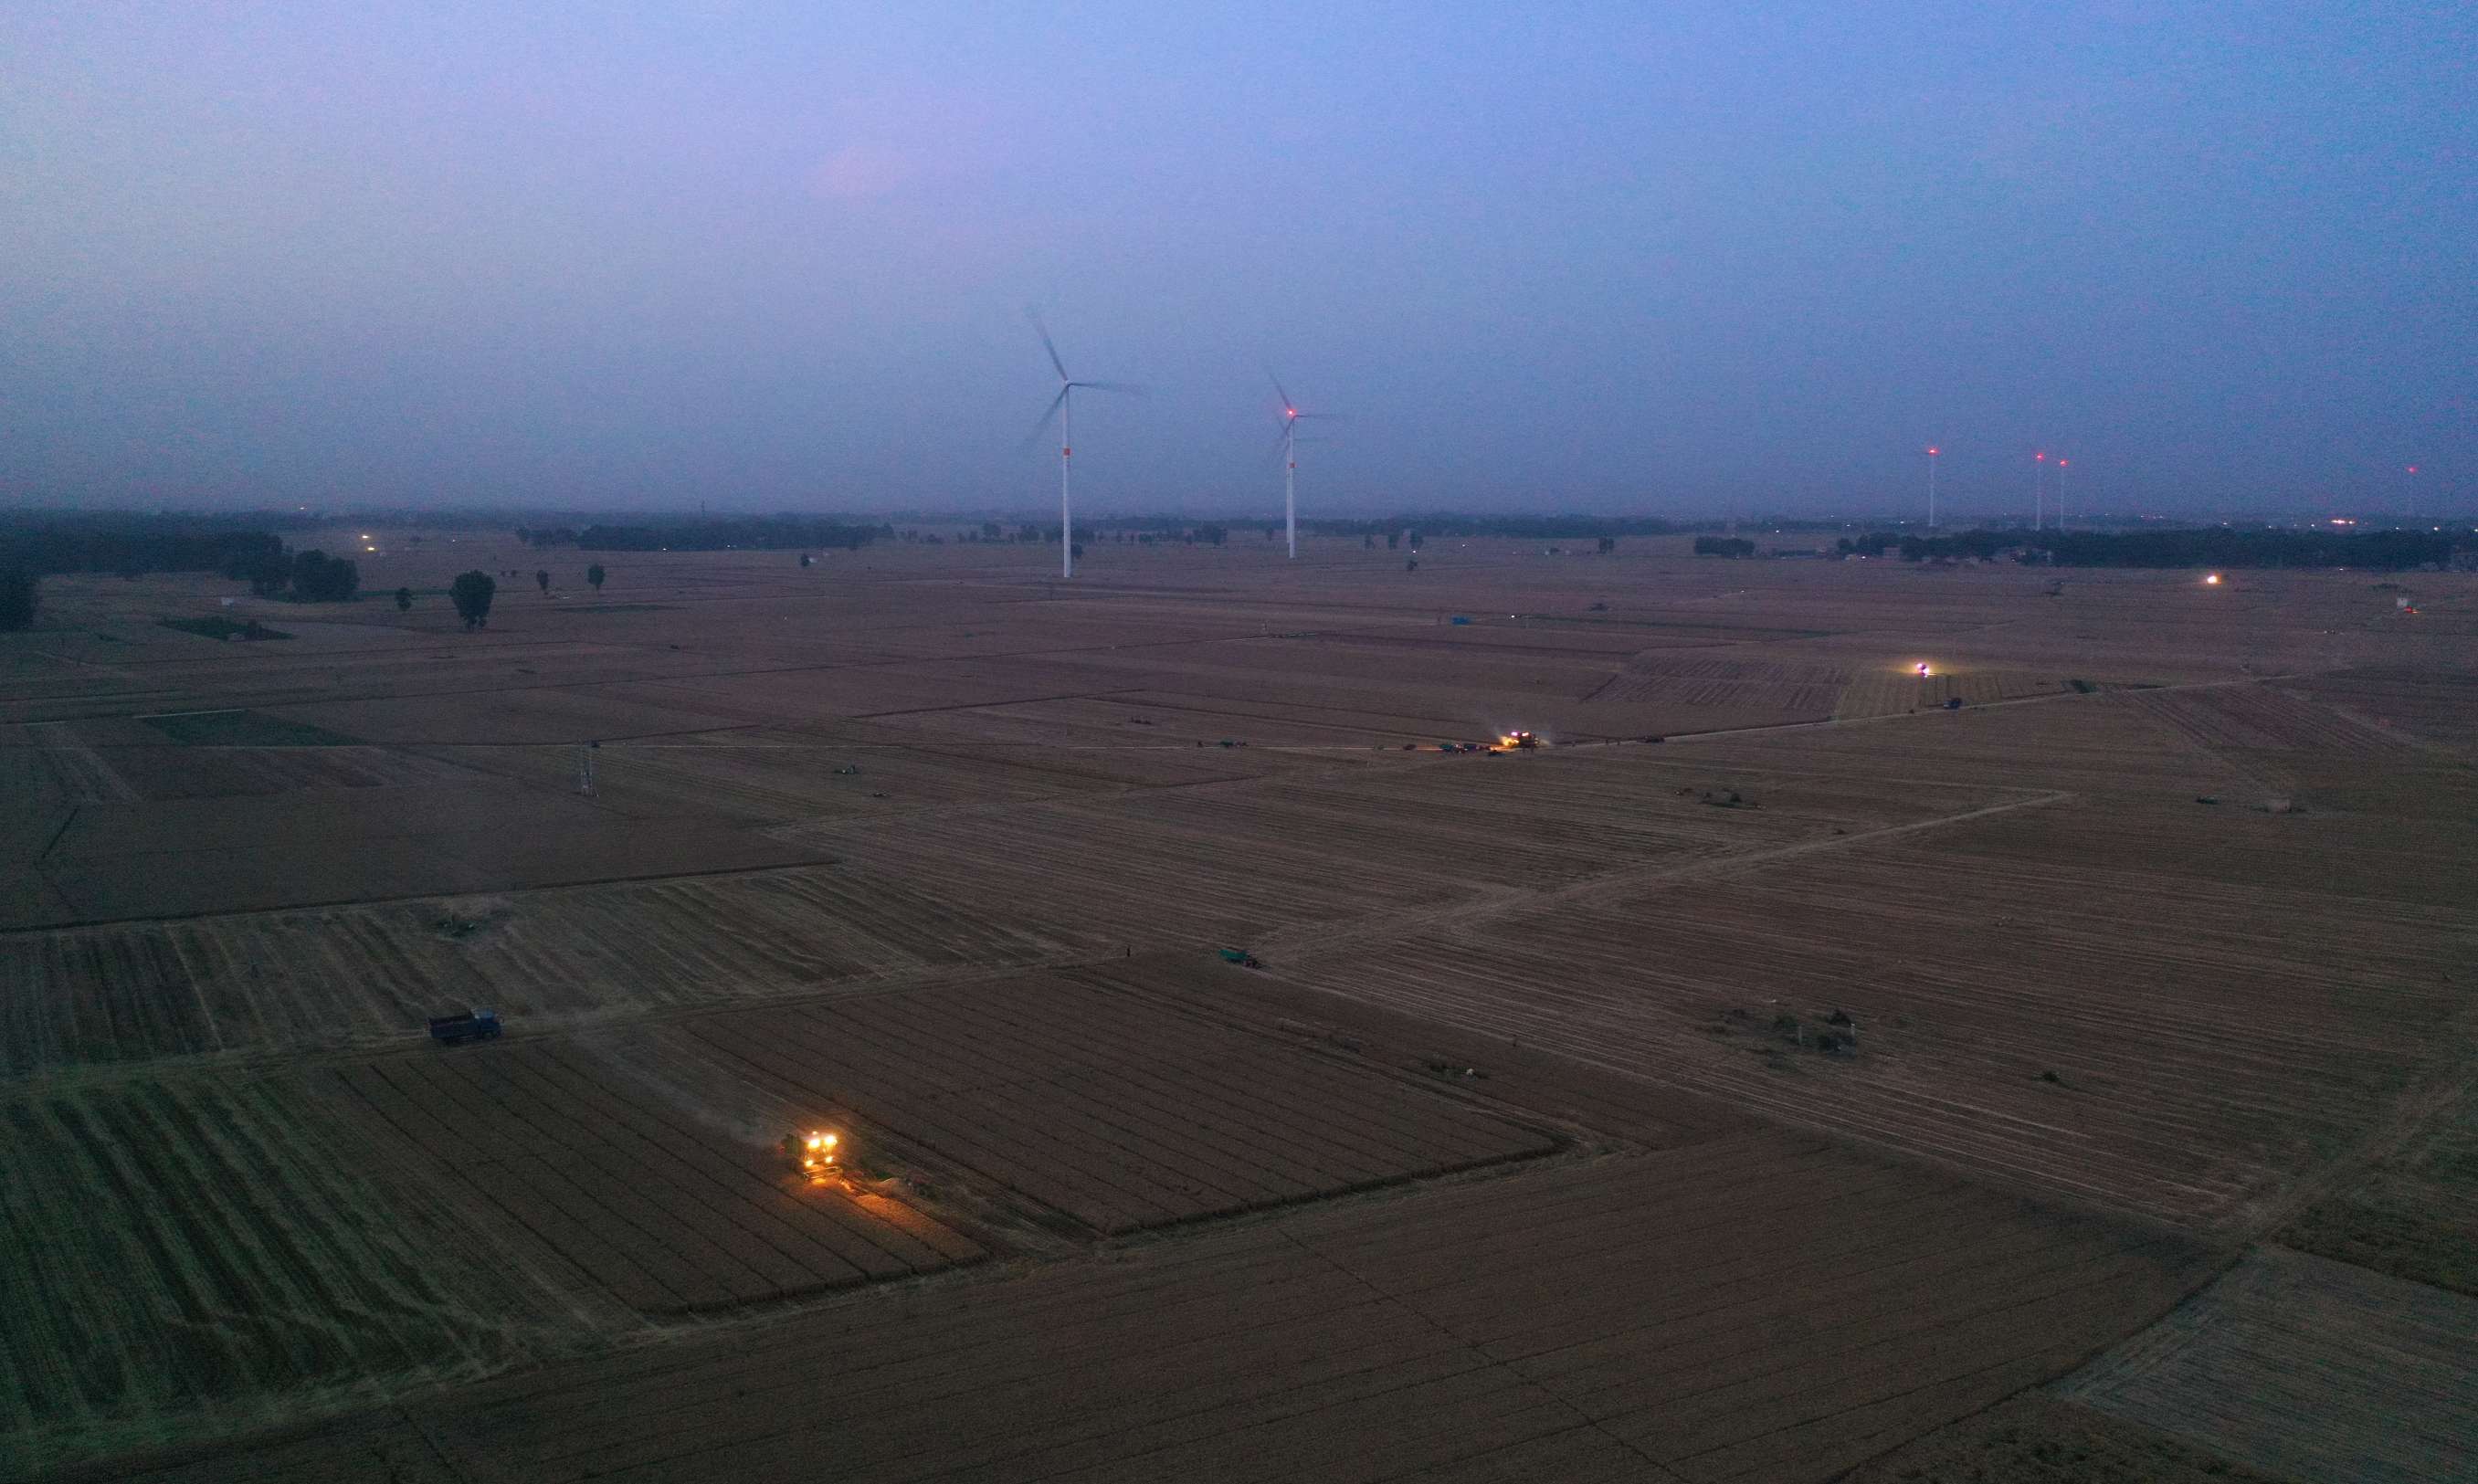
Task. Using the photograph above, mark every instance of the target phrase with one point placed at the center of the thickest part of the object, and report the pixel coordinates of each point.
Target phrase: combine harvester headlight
(818, 1153)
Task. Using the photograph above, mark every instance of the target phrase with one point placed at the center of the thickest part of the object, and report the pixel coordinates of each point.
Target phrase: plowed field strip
(688, 1262)
(1245, 1353)
(1023, 1164)
(1232, 1138)
(1337, 1109)
(1110, 1106)
(956, 1125)
(739, 1222)
(861, 1238)
(616, 1220)
(900, 1369)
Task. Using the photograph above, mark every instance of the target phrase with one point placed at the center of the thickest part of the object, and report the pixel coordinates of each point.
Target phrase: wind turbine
(1064, 410)
(1934, 449)
(1291, 415)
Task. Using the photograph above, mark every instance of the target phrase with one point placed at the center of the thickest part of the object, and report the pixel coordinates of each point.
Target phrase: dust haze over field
(594, 889)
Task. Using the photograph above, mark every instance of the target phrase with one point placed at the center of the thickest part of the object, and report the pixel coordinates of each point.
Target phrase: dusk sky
(1618, 258)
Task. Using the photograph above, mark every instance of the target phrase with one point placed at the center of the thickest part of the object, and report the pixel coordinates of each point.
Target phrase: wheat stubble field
(1518, 1157)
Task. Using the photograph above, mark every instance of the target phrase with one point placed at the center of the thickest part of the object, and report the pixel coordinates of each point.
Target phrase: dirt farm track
(1778, 1074)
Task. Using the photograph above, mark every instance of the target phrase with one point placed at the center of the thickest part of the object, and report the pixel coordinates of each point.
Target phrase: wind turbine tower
(1291, 415)
(1062, 408)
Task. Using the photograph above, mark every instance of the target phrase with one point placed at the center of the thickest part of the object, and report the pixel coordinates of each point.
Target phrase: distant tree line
(1724, 546)
(1982, 545)
(2223, 546)
(130, 545)
(1515, 527)
(769, 532)
(18, 598)
(2232, 547)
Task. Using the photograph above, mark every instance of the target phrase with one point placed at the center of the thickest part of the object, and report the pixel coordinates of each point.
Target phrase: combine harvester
(815, 1155)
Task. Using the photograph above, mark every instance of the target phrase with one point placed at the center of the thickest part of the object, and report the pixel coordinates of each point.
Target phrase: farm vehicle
(816, 1154)
(468, 1025)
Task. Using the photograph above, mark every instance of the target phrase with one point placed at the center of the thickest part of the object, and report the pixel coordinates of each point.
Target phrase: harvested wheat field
(2306, 1368)
(1246, 1062)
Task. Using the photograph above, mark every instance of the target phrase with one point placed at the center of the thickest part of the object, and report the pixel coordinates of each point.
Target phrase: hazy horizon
(1592, 261)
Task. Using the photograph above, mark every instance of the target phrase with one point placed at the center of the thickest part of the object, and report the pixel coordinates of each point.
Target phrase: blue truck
(471, 1025)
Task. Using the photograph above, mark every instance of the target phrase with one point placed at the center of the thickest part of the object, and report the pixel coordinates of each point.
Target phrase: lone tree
(593, 576)
(472, 593)
(18, 598)
(541, 577)
(404, 600)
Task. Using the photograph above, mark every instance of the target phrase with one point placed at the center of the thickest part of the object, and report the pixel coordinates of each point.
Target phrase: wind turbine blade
(1126, 388)
(1042, 330)
(1324, 417)
(1034, 438)
(1287, 403)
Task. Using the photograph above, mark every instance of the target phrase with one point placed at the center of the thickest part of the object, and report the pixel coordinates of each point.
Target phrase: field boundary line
(1460, 914)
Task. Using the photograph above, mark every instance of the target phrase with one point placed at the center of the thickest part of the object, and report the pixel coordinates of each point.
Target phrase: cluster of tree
(1724, 546)
(556, 536)
(774, 533)
(129, 544)
(1983, 545)
(316, 577)
(1875, 543)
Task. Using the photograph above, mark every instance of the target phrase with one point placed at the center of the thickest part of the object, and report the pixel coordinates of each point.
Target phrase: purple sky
(1627, 257)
